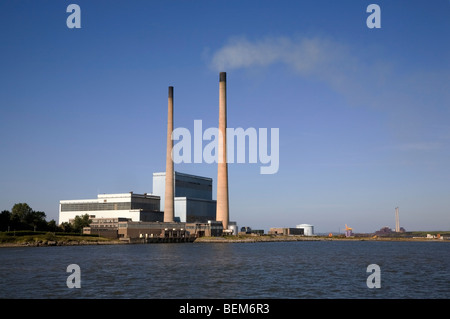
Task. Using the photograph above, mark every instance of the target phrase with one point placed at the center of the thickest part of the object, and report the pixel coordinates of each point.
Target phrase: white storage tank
(308, 230)
(233, 226)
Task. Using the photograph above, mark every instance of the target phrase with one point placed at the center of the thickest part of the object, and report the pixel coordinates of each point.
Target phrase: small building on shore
(105, 227)
(210, 229)
(308, 230)
(131, 229)
(286, 231)
(246, 230)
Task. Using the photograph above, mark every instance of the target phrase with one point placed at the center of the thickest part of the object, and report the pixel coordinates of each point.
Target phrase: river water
(304, 269)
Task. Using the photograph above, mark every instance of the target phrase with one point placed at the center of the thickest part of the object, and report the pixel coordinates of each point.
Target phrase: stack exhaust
(222, 211)
(169, 191)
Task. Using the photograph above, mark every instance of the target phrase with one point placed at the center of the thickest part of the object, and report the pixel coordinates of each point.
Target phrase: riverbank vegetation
(23, 226)
(32, 238)
(23, 218)
(411, 236)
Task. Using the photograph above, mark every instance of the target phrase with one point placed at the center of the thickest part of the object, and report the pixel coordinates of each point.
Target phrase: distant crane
(348, 231)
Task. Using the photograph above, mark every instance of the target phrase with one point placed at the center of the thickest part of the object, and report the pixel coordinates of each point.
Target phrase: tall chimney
(222, 212)
(397, 221)
(169, 192)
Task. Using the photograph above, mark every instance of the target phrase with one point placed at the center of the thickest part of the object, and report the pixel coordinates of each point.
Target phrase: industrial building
(308, 230)
(193, 202)
(194, 205)
(176, 200)
(285, 231)
(104, 227)
(153, 232)
(211, 228)
(246, 230)
(137, 207)
(299, 230)
(129, 215)
(193, 197)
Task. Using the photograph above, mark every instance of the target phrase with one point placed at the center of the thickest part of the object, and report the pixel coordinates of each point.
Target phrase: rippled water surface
(307, 269)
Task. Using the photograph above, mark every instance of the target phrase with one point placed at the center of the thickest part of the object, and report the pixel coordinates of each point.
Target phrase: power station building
(193, 203)
(180, 198)
(132, 206)
(193, 197)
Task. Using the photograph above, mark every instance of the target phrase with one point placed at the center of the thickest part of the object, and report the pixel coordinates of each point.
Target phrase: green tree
(37, 220)
(80, 222)
(5, 220)
(52, 226)
(23, 217)
(66, 227)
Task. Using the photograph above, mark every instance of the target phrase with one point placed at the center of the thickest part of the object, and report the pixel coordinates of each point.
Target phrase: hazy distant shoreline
(256, 239)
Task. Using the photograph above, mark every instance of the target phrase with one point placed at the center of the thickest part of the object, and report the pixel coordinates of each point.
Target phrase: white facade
(134, 214)
(308, 230)
(159, 186)
(108, 206)
(180, 209)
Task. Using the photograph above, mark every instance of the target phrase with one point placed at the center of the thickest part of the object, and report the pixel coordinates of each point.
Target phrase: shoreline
(61, 243)
(260, 239)
(201, 240)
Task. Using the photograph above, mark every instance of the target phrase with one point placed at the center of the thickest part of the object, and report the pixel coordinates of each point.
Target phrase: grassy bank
(252, 239)
(11, 239)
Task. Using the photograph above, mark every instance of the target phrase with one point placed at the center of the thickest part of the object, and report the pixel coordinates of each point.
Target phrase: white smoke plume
(317, 58)
(412, 97)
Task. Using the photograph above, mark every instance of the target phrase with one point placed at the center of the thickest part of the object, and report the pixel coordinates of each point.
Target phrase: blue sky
(363, 113)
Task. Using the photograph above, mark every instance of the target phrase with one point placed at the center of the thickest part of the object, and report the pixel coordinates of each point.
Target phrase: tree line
(23, 217)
